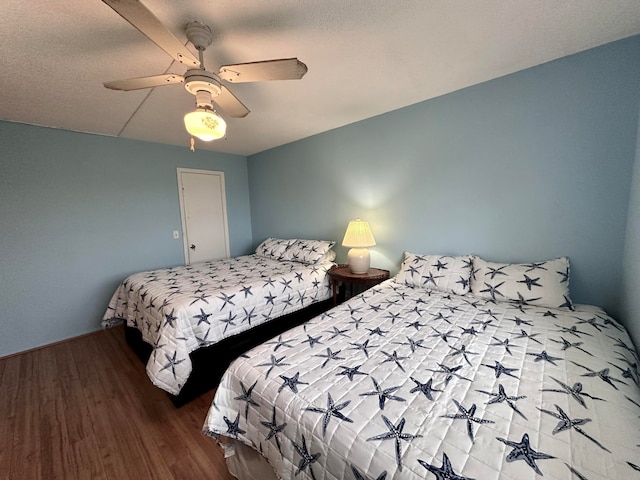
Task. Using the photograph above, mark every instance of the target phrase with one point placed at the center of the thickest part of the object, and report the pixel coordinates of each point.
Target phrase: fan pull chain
(193, 145)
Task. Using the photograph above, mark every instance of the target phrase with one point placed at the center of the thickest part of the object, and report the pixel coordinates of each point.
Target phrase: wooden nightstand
(340, 274)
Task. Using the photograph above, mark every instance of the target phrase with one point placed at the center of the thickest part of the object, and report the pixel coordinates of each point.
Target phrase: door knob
(192, 247)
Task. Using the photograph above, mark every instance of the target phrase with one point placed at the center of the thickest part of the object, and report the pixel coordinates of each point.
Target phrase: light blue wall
(526, 167)
(631, 260)
(80, 212)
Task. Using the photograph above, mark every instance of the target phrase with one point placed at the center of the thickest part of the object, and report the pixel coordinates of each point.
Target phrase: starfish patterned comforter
(405, 382)
(180, 309)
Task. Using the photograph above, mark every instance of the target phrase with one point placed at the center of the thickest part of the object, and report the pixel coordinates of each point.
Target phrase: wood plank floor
(85, 409)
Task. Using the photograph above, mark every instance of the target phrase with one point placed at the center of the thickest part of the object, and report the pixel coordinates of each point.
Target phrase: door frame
(183, 215)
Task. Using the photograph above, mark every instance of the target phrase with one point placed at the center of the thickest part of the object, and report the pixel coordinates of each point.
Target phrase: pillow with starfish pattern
(544, 284)
(274, 247)
(436, 272)
(308, 251)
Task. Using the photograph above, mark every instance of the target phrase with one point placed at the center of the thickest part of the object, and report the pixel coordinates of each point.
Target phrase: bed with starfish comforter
(179, 310)
(456, 368)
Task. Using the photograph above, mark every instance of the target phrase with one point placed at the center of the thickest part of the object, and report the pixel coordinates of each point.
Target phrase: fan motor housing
(200, 80)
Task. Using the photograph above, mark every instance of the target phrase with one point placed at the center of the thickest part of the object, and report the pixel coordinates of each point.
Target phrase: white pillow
(330, 256)
(436, 272)
(545, 284)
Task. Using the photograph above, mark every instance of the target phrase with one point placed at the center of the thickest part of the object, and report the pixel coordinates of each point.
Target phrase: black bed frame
(209, 363)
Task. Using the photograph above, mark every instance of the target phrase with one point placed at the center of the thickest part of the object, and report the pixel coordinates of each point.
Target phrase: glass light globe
(205, 124)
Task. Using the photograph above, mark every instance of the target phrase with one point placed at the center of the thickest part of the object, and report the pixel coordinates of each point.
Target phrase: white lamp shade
(358, 235)
(205, 124)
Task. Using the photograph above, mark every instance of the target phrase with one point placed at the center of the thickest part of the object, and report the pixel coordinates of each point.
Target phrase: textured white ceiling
(365, 57)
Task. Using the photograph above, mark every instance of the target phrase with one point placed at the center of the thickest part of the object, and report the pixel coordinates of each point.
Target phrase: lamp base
(359, 260)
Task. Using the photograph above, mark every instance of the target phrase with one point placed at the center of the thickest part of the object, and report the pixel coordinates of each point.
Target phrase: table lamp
(358, 237)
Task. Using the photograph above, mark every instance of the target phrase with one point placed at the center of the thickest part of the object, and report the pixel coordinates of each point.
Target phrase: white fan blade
(140, 17)
(283, 69)
(144, 82)
(230, 104)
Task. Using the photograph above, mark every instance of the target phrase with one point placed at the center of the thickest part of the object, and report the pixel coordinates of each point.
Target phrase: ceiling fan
(204, 123)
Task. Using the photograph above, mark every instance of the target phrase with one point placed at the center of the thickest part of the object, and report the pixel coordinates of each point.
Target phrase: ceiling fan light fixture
(205, 124)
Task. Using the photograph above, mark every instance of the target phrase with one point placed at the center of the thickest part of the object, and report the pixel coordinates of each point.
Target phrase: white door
(203, 209)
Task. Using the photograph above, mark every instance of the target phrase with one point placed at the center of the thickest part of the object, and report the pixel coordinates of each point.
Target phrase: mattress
(404, 382)
(180, 309)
